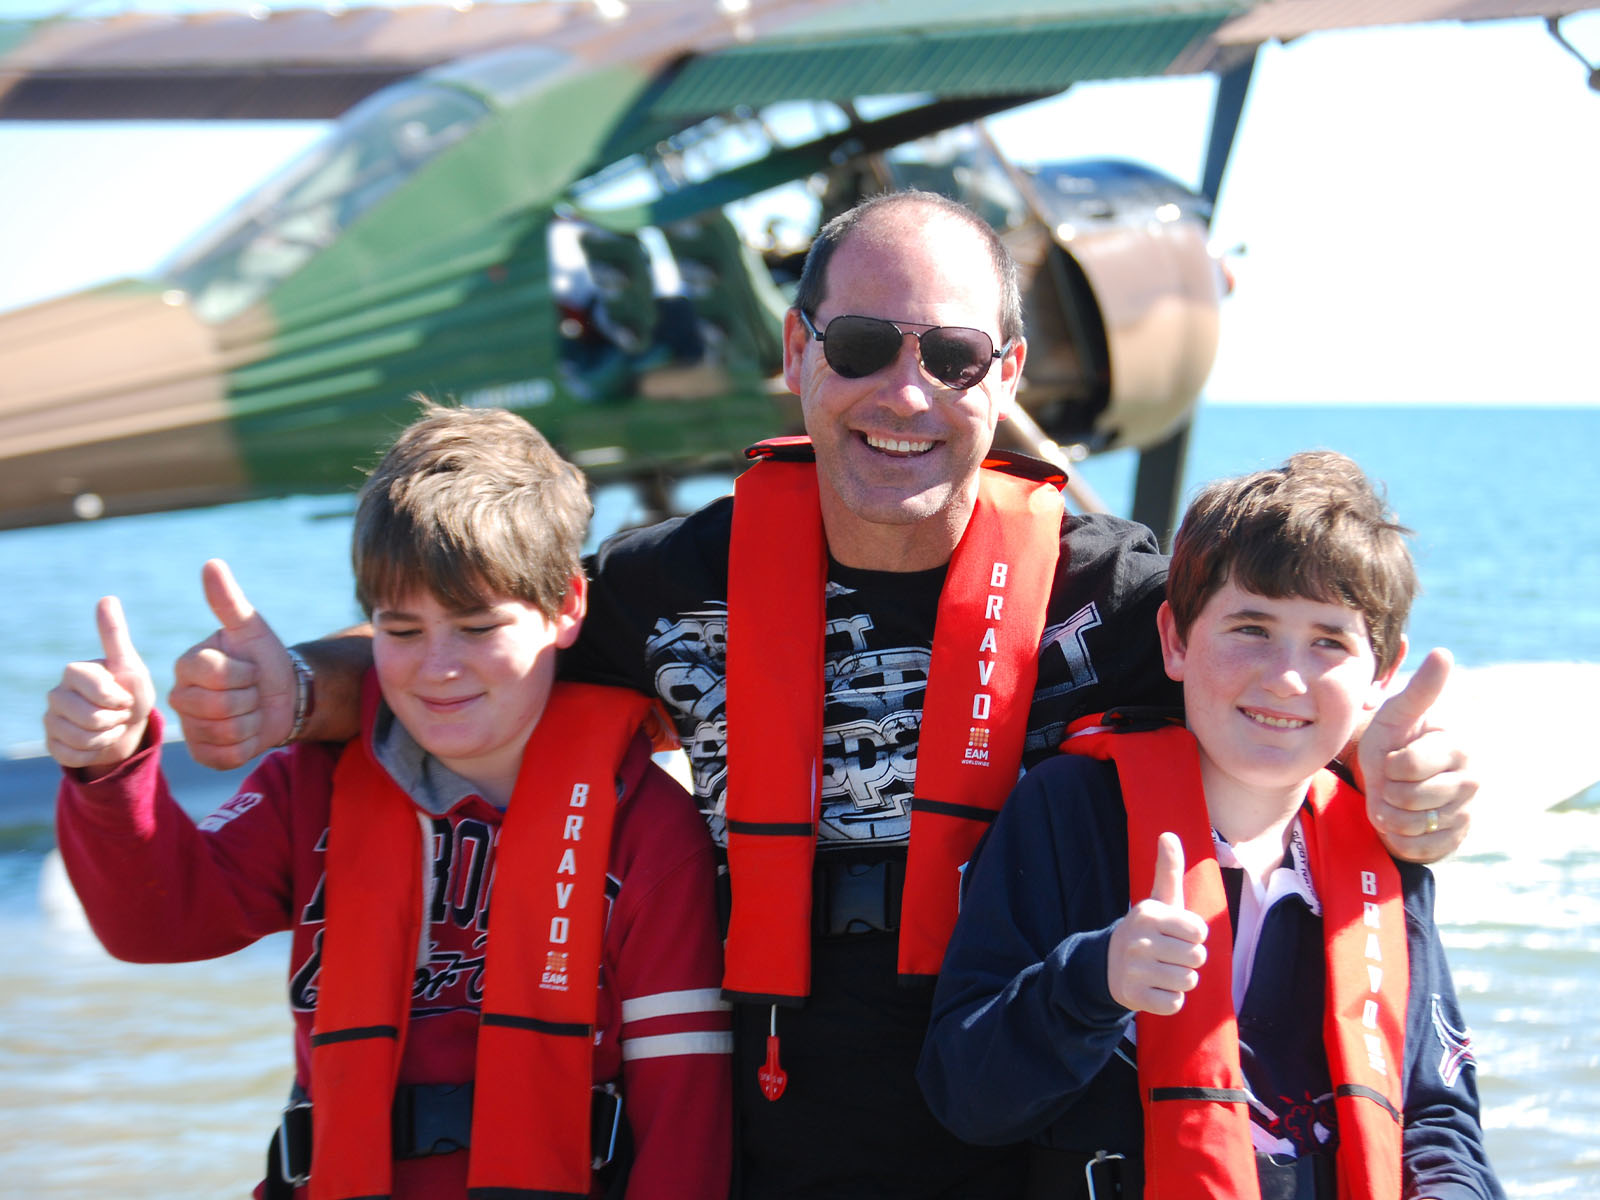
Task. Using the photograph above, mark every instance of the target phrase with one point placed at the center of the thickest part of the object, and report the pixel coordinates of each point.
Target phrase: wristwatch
(305, 695)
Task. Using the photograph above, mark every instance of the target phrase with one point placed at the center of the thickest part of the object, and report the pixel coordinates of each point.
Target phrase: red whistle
(772, 1076)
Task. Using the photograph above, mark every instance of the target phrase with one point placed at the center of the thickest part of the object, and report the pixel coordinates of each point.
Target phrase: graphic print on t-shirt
(462, 884)
(872, 710)
(1064, 667)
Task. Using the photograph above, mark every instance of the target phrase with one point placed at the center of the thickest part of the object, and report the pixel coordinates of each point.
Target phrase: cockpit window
(275, 231)
(964, 165)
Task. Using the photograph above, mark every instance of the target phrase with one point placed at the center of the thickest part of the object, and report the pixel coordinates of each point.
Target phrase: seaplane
(593, 212)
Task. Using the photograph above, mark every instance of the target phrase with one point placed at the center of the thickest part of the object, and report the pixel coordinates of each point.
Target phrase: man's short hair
(886, 206)
(469, 503)
(1314, 527)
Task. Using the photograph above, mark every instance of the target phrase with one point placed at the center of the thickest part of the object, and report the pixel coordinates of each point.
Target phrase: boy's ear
(573, 609)
(1172, 648)
(1380, 684)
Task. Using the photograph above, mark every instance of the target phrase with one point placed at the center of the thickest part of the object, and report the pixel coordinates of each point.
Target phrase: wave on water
(1530, 730)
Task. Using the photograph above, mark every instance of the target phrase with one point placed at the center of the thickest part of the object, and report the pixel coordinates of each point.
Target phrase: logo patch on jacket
(1457, 1044)
(237, 807)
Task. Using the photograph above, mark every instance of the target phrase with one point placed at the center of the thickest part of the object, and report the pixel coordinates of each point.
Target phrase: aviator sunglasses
(856, 347)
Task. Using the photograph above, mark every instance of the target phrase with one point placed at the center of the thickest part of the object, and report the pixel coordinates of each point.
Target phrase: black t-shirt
(851, 1122)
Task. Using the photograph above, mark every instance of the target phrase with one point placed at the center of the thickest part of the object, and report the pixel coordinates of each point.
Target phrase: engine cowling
(1121, 296)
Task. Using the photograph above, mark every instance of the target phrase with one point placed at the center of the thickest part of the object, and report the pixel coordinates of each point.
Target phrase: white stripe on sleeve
(667, 1045)
(671, 1004)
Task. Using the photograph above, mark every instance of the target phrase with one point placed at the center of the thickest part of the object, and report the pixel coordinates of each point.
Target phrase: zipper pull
(772, 1076)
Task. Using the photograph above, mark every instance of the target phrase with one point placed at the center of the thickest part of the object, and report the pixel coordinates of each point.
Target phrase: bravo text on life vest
(555, 975)
(1374, 958)
(977, 754)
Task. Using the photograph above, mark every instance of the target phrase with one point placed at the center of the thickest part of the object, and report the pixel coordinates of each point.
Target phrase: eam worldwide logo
(555, 971)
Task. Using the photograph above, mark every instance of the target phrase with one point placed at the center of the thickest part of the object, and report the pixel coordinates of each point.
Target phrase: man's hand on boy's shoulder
(1417, 777)
(234, 692)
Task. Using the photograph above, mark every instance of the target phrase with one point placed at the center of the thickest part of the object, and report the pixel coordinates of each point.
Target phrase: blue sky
(1417, 206)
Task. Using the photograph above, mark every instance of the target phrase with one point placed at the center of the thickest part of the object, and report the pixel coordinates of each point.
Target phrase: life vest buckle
(431, 1118)
(605, 1122)
(853, 897)
(294, 1140)
(1103, 1176)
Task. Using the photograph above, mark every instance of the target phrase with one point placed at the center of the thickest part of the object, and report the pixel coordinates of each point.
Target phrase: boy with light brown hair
(582, 1048)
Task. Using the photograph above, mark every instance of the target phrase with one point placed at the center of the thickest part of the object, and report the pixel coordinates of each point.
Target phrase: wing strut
(1160, 474)
(1553, 24)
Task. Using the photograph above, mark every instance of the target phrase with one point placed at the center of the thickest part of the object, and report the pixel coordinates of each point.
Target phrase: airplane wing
(1283, 20)
(416, 248)
(314, 64)
(310, 64)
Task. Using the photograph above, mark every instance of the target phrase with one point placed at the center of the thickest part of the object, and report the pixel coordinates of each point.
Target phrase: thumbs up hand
(1418, 778)
(96, 716)
(235, 691)
(1157, 949)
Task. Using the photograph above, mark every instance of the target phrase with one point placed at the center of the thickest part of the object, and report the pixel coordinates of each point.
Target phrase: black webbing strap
(427, 1119)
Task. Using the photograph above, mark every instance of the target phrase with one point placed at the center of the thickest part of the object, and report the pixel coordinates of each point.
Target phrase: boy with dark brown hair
(1281, 1010)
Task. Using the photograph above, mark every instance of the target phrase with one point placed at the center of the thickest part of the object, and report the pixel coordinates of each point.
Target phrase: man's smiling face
(897, 451)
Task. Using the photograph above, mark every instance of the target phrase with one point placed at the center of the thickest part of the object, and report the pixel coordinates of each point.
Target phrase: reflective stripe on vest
(974, 719)
(1197, 1129)
(535, 1056)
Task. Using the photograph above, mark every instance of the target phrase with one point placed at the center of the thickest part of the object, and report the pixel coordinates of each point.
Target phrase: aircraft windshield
(275, 231)
(962, 164)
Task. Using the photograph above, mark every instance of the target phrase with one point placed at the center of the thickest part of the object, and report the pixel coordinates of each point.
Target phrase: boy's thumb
(115, 640)
(1168, 886)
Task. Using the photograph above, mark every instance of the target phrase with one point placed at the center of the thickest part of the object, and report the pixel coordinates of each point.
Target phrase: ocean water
(165, 1081)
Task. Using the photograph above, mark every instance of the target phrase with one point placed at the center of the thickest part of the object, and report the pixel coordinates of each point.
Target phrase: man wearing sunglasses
(879, 582)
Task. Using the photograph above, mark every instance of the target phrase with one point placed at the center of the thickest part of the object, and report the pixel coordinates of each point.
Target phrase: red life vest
(1197, 1130)
(974, 718)
(530, 1121)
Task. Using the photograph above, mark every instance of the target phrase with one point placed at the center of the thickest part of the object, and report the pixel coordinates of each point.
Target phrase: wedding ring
(1433, 820)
